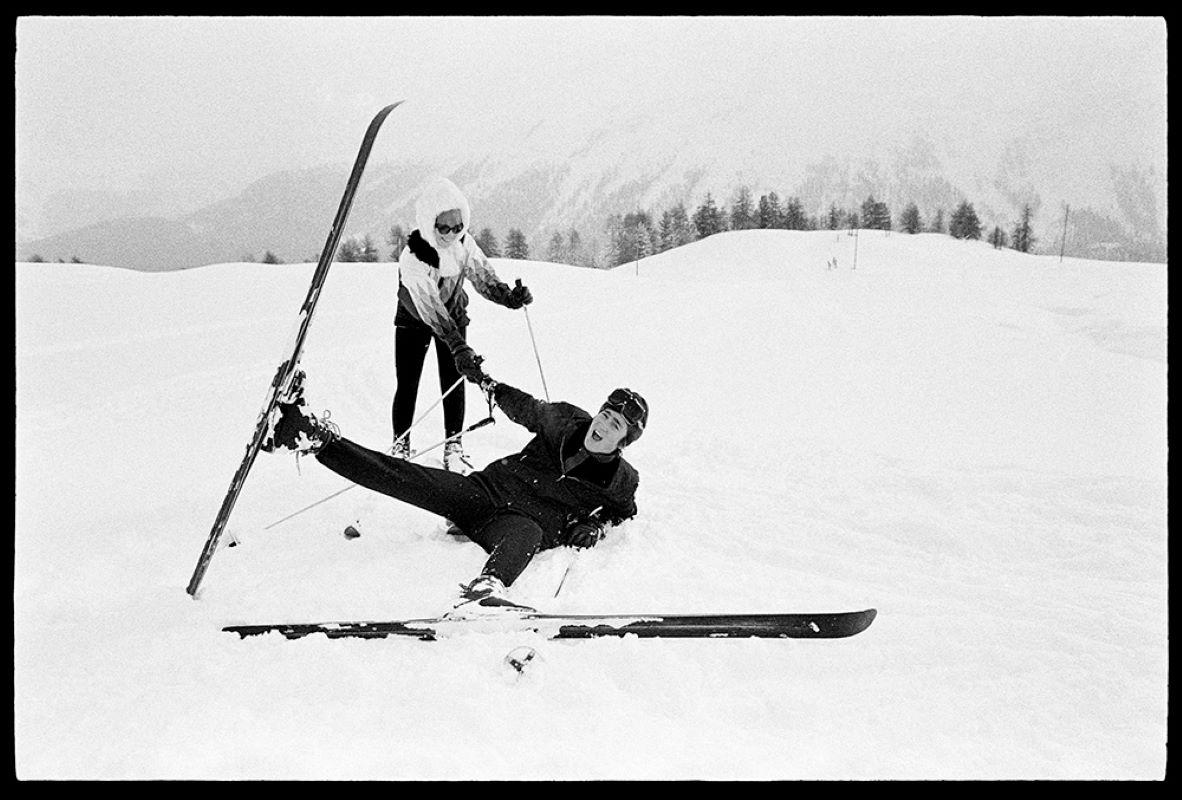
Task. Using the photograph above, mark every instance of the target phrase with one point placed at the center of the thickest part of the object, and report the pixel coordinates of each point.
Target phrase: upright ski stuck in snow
(588, 626)
(281, 385)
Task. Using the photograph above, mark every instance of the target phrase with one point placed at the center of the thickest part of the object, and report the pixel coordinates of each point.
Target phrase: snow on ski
(589, 626)
(281, 384)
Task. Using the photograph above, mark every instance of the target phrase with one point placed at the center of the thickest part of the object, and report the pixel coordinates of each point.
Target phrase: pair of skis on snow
(586, 626)
(796, 626)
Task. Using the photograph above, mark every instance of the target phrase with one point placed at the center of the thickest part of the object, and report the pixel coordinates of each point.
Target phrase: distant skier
(432, 305)
(562, 488)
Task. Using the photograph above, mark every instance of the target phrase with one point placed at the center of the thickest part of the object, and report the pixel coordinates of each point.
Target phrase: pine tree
(556, 250)
(665, 232)
(396, 238)
(910, 222)
(350, 250)
(997, 238)
(794, 216)
(833, 219)
(270, 258)
(769, 213)
(1023, 238)
(869, 217)
(743, 211)
(574, 248)
(708, 218)
(516, 246)
(964, 223)
(938, 221)
(875, 214)
(614, 256)
(639, 238)
(683, 230)
(369, 249)
(486, 240)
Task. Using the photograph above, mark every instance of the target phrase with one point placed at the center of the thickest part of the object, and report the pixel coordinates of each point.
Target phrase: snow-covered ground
(972, 441)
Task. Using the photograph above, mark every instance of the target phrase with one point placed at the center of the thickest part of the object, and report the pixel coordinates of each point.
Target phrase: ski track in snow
(970, 440)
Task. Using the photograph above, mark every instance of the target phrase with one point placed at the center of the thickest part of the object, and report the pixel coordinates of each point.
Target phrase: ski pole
(562, 582)
(571, 565)
(350, 486)
(307, 508)
(536, 356)
(486, 421)
(429, 410)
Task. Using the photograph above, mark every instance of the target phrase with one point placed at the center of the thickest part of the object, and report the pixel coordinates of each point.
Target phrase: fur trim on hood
(438, 196)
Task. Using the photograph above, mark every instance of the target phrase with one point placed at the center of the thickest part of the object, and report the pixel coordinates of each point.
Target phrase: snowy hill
(972, 441)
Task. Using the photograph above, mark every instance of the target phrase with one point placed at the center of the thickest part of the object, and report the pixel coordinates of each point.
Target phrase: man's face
(607, 429)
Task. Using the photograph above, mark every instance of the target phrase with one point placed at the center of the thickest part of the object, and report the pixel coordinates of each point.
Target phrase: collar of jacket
(573, 439)
(423, 251)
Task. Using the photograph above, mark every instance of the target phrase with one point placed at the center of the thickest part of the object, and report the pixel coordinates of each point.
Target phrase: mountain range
(565, 174)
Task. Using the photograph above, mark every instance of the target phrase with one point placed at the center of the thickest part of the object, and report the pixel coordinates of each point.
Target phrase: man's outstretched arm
(520, 407)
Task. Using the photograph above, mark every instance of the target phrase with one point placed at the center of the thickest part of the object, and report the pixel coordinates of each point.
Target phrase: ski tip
(864, 618)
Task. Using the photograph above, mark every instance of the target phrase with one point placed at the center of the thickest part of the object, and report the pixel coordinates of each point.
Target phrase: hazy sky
(205, 105)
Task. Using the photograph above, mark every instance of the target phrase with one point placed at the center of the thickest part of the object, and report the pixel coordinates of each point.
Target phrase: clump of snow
(972, 441)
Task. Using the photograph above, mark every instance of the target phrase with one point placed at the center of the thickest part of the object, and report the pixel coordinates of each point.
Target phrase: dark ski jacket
(534, 482)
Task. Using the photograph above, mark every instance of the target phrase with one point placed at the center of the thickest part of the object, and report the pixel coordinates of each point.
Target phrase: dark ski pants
(510, 539)
(410, 353)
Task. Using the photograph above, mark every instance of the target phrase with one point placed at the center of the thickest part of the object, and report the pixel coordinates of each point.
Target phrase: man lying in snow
(562, 488)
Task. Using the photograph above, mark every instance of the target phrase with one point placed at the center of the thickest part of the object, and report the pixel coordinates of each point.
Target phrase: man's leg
(447, 494)
(410, 351)
(511, 541)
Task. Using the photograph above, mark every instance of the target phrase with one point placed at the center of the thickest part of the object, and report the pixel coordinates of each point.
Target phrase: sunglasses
(629, 405)
(445, 229)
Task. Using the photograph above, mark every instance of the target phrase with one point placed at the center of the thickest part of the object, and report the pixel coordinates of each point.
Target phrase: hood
(438, 196)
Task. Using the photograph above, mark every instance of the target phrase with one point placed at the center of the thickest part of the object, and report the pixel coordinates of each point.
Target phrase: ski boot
(454, 459)
(485, 596)
(294, 429)
(401, 448)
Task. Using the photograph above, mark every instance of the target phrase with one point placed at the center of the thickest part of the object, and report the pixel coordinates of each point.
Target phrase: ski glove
(584, 534)
(519, 296)
(468, 363)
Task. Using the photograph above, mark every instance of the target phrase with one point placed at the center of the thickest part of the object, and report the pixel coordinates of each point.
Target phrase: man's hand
(519, 296)
(584, 534)
(468, 363)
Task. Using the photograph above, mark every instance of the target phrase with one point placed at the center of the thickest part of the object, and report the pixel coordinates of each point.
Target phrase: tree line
(639, 234)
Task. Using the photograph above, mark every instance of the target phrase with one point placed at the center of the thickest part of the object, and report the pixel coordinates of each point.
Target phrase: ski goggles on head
(446, 229)
(630, 406)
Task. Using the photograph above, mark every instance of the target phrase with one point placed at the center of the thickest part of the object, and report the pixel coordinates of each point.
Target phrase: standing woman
(432, 306)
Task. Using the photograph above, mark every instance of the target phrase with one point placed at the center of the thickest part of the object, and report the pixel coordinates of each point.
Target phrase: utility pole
(1063, 244)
